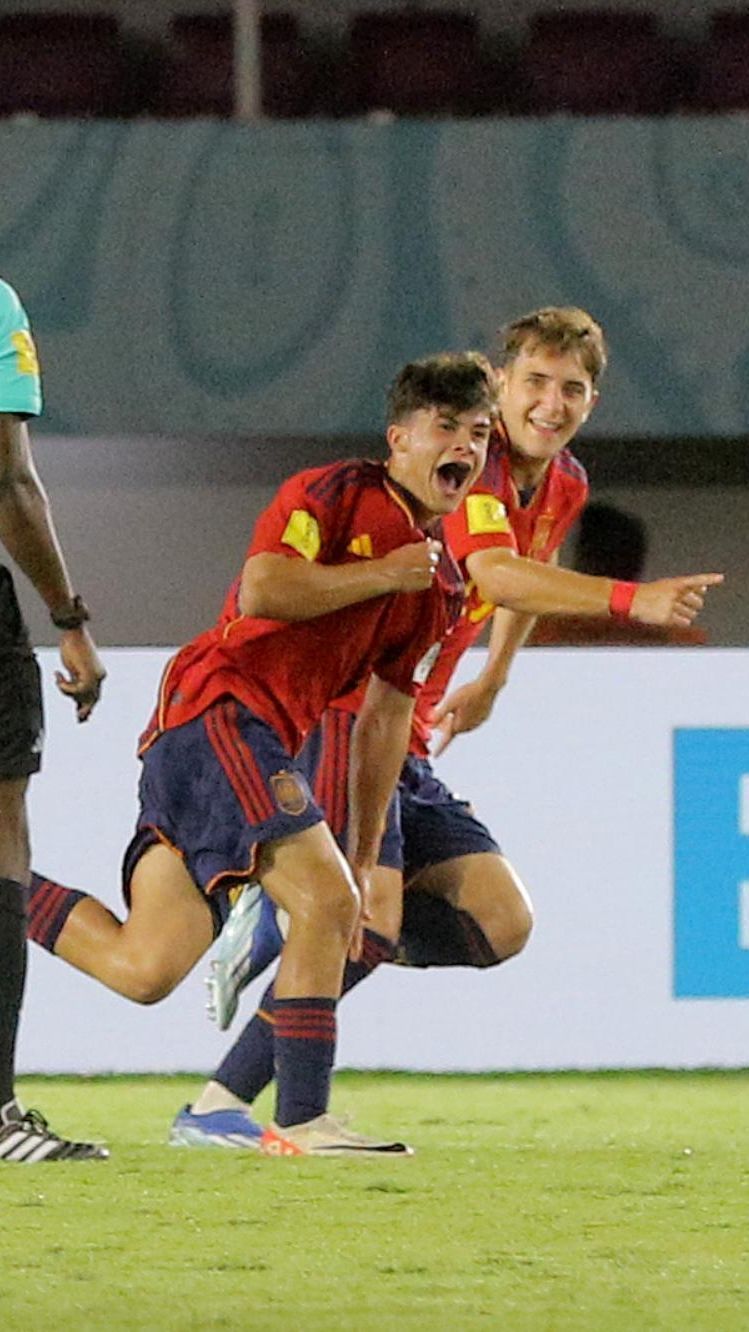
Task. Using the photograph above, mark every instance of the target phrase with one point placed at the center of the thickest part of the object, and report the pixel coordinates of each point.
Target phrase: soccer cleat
(25, 1136)
(230, 969)
(326, 1136)
(218, 1128)
(251, 939)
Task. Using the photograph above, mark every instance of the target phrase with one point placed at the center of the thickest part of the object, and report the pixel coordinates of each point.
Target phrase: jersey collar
(403, 498)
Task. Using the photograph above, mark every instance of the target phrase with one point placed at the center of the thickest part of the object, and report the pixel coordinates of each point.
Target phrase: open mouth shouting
(452, 477)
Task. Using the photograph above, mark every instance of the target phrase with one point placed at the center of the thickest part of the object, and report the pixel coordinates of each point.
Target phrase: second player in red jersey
(497, 515)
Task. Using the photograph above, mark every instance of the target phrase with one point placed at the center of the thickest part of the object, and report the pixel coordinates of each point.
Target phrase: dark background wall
(497, 15)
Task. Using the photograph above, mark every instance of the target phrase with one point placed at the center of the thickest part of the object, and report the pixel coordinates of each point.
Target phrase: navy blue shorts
(436, 824)
(325, 762)
(21, 714)
(215, 789)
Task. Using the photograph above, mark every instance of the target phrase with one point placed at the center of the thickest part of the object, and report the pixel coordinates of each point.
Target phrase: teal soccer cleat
(230, 969)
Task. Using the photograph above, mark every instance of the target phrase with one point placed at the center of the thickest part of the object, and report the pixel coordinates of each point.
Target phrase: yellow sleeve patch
(482, 612)
(361, 545)
(27, 362)
(486, 513)
(302, 533)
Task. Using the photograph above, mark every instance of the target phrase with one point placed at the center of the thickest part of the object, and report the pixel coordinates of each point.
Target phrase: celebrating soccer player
(464, 903)
(346, 576)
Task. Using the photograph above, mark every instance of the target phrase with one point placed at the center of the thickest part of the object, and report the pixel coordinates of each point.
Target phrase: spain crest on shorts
(290, 791)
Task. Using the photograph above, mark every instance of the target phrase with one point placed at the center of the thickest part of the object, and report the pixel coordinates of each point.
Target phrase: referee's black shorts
(21, 714)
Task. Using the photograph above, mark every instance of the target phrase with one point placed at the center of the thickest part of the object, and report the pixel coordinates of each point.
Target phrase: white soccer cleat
(326, 1136)
(231, 966)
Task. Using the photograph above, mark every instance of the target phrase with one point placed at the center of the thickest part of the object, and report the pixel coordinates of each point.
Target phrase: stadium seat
(722, 82)
(198, 78)
(596, 62)
(60, 65)
(412, 62)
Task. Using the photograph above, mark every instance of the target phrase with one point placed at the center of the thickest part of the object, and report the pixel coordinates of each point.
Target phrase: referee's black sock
(12, 977)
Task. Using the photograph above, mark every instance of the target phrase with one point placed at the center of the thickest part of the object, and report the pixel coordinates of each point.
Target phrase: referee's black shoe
(26, 1137)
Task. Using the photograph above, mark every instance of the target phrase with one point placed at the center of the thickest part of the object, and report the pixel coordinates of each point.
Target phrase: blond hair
(565, 328)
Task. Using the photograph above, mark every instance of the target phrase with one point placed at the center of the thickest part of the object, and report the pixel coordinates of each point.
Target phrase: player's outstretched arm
(522, 584)
(285, 587)
(27, 531)
(672, 602)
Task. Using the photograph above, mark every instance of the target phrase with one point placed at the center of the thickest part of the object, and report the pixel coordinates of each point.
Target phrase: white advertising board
(617, 782)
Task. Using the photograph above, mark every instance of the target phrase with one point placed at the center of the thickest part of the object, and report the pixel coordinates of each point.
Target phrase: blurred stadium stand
(413, 62)
(722, 82)
(409, 62)
(197, 68)
(54, 64)
(598, 62)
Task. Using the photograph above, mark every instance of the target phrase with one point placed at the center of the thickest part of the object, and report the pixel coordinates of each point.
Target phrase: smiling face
(545, 396)
(436, 454)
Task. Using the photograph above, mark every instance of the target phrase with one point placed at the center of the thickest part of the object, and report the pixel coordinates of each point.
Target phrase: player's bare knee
(501, 906)
(332, 907)
(519, 933)
(510, 932)
(337, 903)
(146, 984)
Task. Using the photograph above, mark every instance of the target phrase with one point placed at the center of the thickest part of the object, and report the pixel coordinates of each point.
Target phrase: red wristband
(622, 596)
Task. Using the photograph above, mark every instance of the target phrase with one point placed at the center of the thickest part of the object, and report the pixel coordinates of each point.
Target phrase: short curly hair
(461, 380)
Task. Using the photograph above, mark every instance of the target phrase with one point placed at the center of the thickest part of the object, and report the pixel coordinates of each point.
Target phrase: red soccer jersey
(494, 515)
(287, 673)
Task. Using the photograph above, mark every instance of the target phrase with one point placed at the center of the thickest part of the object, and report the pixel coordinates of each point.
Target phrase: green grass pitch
(535, 1203)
